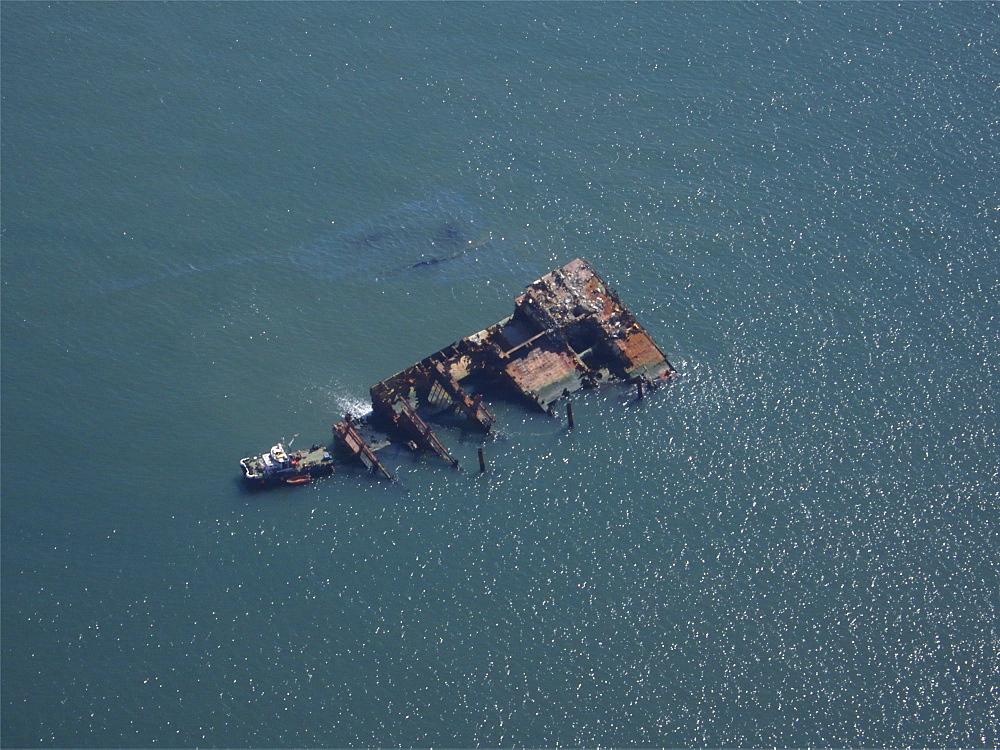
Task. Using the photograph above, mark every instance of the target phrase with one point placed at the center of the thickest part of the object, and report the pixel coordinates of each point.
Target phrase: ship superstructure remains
(568, 331)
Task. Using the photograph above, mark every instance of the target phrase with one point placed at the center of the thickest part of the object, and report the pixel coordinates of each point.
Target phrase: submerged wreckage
(568, 331)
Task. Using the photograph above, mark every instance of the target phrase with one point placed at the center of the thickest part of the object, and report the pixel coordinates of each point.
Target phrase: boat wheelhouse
(281, 465)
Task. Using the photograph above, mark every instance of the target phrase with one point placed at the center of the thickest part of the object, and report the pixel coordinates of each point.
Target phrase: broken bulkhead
(568, 331)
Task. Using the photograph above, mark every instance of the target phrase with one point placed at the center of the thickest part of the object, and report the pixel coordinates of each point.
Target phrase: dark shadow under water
(439, 235)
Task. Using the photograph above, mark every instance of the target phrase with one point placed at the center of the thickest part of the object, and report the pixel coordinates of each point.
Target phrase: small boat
(283, 466)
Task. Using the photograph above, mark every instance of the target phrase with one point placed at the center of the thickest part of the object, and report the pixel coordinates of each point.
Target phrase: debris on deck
(568, 331)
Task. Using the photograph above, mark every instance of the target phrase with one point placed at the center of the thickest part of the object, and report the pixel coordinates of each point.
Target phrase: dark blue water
(215, 224)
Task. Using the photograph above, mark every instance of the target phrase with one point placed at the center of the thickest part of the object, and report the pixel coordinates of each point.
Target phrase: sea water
(215, 221)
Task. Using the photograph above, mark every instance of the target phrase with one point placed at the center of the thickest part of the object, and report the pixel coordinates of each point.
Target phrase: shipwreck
(569, 330)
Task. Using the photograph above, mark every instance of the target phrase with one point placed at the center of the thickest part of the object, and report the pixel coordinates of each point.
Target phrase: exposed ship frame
(569, 330)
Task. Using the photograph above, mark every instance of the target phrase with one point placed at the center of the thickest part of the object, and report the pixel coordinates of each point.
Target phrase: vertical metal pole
(569, 415)
(482, 460)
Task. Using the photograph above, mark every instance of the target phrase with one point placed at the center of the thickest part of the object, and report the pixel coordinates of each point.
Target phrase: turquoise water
(209, 212)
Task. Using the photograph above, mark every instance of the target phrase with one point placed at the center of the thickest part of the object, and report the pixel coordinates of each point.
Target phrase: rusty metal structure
(568, 331)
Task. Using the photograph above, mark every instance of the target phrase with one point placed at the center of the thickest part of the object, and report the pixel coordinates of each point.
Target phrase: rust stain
(569, 330)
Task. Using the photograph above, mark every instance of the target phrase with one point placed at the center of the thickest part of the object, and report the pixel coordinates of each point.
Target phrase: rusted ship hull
(569, 330)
